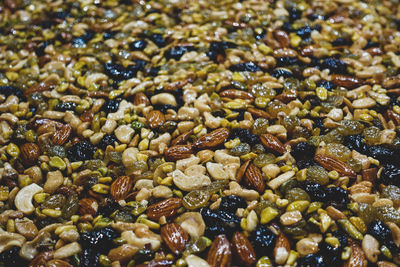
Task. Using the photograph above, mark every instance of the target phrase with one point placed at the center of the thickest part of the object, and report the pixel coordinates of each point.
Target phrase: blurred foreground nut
(175, 237)
(155, 119)
(58, 263)
(167, 208)
(243, 250)
(23, 199)
(122, 253)
(88, 206)
(53, 180)
(10, 240)
(371, 248)
(67, 250)
(282, 249)
(212, 139)
(26, 228)
(306, 246)
(357, 256)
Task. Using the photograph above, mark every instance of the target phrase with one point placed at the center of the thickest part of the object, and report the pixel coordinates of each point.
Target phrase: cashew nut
(216, 170)
(23, 200)
(163, 98)
(68, 250)
(8, 240)
(189, 182)
(141, 237)
(192, 223)
(30, 249)
(371, 248)
(196, 261)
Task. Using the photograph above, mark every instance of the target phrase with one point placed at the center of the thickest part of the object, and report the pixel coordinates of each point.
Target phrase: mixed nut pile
(199, 133)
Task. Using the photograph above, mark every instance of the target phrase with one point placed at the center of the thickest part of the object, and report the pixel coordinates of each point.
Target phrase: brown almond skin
(234, 93)
(168, 208)
(242, 171)
(281, 242)
(178, 152)
(41, 259)
(272, 142)
(333, 164)
(88, 206)
(30, 152)
(174, 237)
(155, 119)
(254, 179)
(212, 139)
(220, 254)
(120, 187)
(258, 113)
(182, 139)
(346, 81)
(141, 98)
(357, 256)
(243, 250)
(58, 263)
(61, 136)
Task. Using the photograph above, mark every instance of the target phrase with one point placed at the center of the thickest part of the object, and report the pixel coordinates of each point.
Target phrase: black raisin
(138, 45)
(260, 35)
(248, 66)
(287, 61)
(110, 106)
(11, 257)
(109, 34)
(144, 255)
(383, 234)
(39, 50)
(302, 164)
(107, 209)
(229, 221)
(337, 196)
(341, 41)
(64, 106)
(89, 257)
(383, 153)
(304, 32)
(119, 72)
(334, 65)
(83, 39)
(164, 108)
(287, 27)
(330, 254)
(355, 142)
(327, 85)
(311, 260)
(8, 90)
(390, 175)
(99, 238)
(316, 191)
(62, 15)
(303, 150)
(81, 151)
(158, 39)
(232, 203)
(177, 52)
(107, 140)
(263, 240)
(218, 48)
(245, 135)
(278, 72)
(294, 14)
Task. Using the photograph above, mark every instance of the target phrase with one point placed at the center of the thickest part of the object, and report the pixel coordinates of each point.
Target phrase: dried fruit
(220, 254)
(254, 179)
(168, 208)
(212, 139)
(120, 187)
(271, 142)
(174, 237)
(243, 250)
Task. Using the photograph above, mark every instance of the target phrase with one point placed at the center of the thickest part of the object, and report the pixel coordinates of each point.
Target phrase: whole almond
(155, 119)
(242, 171)
(333, 164)
(234, 93)
(272, 142)
(120, 187)
(61, 136)
(282, 249)
(88, 206)
(349, 82)
(141, 98)
(168, 208)
(243, 250)
(357, 256)
(258, 113)
(212, 139)
(181, 139)
(178, 152)
(220, 254)
(174, 237)
(30, 152)
(254, 179)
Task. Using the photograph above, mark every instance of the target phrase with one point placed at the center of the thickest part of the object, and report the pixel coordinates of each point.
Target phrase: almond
(357, 256)
(181, 139)
(212, 139)
(174, 237)
(242, 171)
(141, 98)
(254, 179)
(369, 174)
(282, 249)
(243, 250)
(272, 142)
(220, 254)
(58, 263)
(30, 152)
(41, 259)
(88, 206)
(178, 152)
(333, 164)
(346, 81)
(61, 136)
(287, 96)
(258, 113)
(120, 187)
(168, 208)
(233, 93)
(155, 119)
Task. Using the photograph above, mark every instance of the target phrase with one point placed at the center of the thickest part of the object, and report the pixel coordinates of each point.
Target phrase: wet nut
(216, 170)
(124, 133)
(290, 217)
(189, 182)
(122, 253)
(10, 240)
(53, 180)
(306, 246)
(23, 199)
(26, 228)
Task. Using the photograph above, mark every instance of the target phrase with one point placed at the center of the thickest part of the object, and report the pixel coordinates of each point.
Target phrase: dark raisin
(327, 84)
(316, 191)
(138, 45)
(302, 164)
(153, 71)
(164, 108)
(107, 140)
(218, 48)
(311, 260)
(355, 142)
(278, 72)
(294, 14)
(109, 35)
(330, 254)
(177, 52)
(337, 196)
(82, 40)
(144, 255)
(383, 153)
(110, 106)
(303, 151)
(342, 237)
(8, 90)
(287, 27)
(318, 27)
(248, 66)
(370, 44)
(260, 35)
(81, 151)
(263, 240)
(341, 41)
(245, 135)
(11, 257)
(62, 15)
(119, 72)
(232, 203)
(89, 257)
(383, 234)
(108, 208)
(64, 106)
(158, 39)
(99, 238)
(287, 61)
(390, 175)
(39, 50)
(304, 32)
(229, 221)
(334, 65)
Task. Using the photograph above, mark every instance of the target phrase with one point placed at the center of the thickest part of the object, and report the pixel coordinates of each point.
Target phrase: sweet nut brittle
(30, 152)
(220, 253)
(271, 142)
(61, 136)
(174, 237)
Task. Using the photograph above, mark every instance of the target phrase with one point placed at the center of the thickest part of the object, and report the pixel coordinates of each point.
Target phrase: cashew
(231, 169)
(183, 164)
(222, 156)
(68, 250)
(164, 99)
(94, 78)
(192, 223)
(187, 113)
(129, 156)
(196, 261)
(30, 249)
(189, 182)
(119, 115)
(162, 191)
(141, 237)
(124, 133)
(54, 180)
(371, 248)
(8, 240)
(211, 121)
(235, 189)
(275, 183)
(23, 200)
(109, 126)
(155, 144)
(216, 170)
